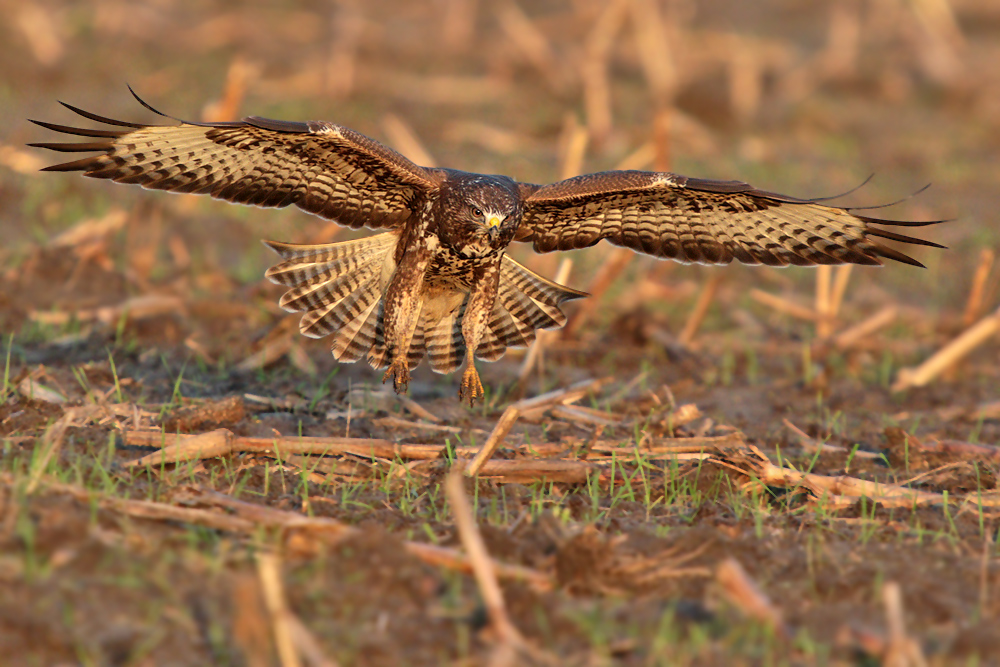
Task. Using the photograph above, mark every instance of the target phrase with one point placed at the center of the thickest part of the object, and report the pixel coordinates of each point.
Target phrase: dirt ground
(726, 465)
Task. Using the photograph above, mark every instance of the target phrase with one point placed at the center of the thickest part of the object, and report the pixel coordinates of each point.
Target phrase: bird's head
(487, 210)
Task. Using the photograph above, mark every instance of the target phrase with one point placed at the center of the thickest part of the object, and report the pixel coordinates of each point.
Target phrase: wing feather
(698, 220)
(323, 168)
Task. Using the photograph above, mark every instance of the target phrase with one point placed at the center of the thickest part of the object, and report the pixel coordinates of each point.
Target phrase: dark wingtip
(819, 200)
(71, 147)
(148, 106)
(100, 119)
(83, 164)
(79, 131)
(892, 203)
(902, 238)
(890, 253)
(901, 223)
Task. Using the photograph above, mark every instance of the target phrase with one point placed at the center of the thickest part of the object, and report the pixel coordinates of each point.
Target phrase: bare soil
(125, 311)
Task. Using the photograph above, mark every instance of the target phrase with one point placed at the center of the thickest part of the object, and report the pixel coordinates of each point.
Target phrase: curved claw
(400, 374)
(472, 386)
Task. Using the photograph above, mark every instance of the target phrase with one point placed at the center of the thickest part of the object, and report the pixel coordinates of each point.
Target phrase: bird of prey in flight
(437, 282)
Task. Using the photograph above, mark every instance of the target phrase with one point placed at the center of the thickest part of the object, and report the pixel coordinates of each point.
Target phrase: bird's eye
(478, 212)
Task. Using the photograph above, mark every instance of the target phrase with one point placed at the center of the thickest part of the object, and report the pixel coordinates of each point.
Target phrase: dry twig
(588, 416)
(221, 442)
(901, 650)
(459, 25)
(500, 431)
(783, 306)
(950, 354)
(405, 140)
(948, 447)
(844, 487)
(700, 309)
(228, 106)
(418, 410)
(52, 442)
(135, 308)
(744, 593)
(862, 330)
(482, 564)
(811, 444)
(533, 408)
(340, 75)
(526, 471)
(977, 293)
(269, 571)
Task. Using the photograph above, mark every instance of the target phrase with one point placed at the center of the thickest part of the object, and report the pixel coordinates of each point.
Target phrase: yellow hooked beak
(493, 226)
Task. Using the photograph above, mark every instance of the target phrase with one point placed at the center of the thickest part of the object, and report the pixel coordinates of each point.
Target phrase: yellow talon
(400, 374)
(472, 386)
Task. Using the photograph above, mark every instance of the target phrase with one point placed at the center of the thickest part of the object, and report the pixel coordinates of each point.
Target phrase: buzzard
(437, 282)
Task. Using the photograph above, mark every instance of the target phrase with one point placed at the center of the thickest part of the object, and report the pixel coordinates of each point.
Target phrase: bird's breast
(439, 301)
(455, 270)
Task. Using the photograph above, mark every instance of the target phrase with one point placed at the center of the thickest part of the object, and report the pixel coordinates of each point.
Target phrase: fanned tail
(526, 302)
(339, 287)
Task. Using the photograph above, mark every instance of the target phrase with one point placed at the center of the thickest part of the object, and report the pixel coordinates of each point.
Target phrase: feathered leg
(402, 313)
(474, 325)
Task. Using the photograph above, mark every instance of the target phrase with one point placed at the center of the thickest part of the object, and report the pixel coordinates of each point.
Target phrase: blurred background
(808, 99)
(140, 304)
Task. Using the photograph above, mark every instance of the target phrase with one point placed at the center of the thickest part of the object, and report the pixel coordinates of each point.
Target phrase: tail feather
(304, 261)
(322, 321)
(445, 345)
(356, 338)
(418, 346)
(503, 326)
(491, 347)
(330, 317)
(538, 288)
(379, 351)
(526, 302)
(339, 288)
(511, 313)
(331, 285)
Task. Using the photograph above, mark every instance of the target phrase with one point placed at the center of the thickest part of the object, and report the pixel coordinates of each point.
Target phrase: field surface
(707, 466)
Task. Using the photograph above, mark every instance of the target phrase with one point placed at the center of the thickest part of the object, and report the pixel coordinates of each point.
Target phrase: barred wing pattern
(696, 220)
(321, 167)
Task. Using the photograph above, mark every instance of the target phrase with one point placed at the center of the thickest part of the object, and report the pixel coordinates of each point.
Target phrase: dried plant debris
(705, 466)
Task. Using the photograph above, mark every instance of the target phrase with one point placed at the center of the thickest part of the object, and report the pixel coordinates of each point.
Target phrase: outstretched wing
(320, 167)
(695, 220)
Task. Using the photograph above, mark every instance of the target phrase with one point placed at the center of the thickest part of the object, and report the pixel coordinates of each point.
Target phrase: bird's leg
(472, 386)
(402, 312)
(399, 371)
(474, 323)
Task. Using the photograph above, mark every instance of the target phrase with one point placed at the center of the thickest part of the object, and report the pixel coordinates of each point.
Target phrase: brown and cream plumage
(438, 283)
